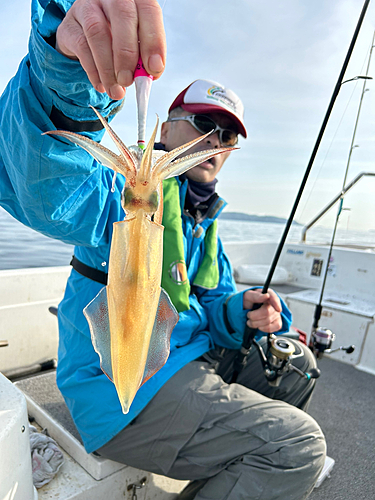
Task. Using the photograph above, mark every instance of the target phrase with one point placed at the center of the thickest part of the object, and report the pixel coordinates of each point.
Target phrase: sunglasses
(205, 124)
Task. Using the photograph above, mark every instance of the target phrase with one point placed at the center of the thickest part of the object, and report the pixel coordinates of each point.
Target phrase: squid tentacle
(146, 163)
(181, 165)
(168, 157)
(101, 154)
(124, 151)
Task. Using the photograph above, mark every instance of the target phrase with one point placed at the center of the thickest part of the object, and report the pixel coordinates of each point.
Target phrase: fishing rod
(280, 350)
(322, 338)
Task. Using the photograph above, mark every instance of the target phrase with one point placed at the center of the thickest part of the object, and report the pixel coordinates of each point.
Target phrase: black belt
(89, 272)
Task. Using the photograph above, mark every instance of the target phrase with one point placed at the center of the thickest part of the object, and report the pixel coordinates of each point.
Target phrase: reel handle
(313, 373)
(349, 349)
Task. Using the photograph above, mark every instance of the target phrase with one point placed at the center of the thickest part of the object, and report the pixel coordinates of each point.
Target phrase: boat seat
(47, 407)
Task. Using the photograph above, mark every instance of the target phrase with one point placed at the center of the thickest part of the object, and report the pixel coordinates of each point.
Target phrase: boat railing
(333, 202)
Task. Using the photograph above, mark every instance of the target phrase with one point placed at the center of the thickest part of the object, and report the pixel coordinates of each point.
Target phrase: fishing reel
(278, 360)
(321, 343)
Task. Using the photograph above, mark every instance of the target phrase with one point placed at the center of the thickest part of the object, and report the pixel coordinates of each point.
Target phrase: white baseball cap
(206, 96)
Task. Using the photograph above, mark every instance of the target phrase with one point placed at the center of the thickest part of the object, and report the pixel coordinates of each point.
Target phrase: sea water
(21, 247)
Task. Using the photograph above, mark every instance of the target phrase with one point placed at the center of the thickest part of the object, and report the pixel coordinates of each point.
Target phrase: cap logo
(219, 94)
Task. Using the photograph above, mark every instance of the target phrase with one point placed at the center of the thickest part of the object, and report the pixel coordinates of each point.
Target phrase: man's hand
(107, 37)
(267, 318)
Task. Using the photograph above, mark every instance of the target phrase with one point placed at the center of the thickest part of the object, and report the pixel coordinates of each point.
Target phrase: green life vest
(174, 278)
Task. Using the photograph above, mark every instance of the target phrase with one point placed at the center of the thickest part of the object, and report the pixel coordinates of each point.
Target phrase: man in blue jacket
(185, 422)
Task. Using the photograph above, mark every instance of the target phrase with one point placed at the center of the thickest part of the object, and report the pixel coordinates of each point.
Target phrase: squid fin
(158, 351)
(96, 313)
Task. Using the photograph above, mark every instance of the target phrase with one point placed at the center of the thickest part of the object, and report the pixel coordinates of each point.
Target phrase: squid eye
(127, 196)
(154, 201)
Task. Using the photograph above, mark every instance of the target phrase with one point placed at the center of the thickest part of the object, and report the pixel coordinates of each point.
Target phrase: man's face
(177, 133)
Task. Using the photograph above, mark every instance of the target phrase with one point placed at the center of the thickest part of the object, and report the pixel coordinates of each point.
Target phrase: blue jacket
(56, 188)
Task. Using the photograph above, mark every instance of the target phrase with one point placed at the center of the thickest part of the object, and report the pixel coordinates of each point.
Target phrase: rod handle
(250, 333)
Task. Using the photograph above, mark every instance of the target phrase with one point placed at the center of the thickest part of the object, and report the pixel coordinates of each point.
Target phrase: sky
(283, 60)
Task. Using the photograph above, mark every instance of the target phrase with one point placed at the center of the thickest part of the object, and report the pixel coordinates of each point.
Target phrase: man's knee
(304, 444)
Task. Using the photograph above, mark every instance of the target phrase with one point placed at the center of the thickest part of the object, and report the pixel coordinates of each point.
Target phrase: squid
(132, 318)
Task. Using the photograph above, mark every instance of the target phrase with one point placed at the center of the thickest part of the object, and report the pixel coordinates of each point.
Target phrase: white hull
(15, 471)
(348, 299)
(30, 329)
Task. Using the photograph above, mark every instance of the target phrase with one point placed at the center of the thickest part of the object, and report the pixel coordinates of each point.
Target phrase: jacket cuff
(48, 14)
(58, 81)
(236, 314)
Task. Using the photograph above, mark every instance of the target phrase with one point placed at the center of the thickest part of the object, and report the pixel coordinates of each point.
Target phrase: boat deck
(344, 406)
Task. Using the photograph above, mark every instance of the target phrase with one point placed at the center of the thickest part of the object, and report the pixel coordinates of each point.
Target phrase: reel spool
(278, 360)
(279, 355)
(321, 340)
(321, 343)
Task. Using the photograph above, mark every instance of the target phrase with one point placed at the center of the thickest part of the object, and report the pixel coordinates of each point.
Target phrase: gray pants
(238, 443)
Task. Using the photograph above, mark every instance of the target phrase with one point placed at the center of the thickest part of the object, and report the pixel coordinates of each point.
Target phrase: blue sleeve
(224, 308)
(50, 185)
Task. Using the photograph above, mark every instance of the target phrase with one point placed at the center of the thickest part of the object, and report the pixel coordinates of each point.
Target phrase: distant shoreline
(240, 216)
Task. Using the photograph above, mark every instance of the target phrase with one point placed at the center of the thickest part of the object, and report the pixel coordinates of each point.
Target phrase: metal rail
(333, 202)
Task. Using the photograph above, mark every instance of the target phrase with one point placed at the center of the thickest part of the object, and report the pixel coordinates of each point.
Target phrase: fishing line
(318, 309)
(327, 153)
(315, 149)
(334, 137)
(240, 360)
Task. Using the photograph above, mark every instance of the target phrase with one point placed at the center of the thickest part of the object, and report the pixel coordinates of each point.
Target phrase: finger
(274, 300)
(268, 327)
(64, 35)
(71, 42)
(99, 39)
(151, 36)
(267, 315)
(275, 326)
(123, 19)
(271, 327)
(264, 324)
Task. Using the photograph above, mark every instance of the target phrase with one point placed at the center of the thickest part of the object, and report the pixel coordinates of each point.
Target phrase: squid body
(132, 318)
